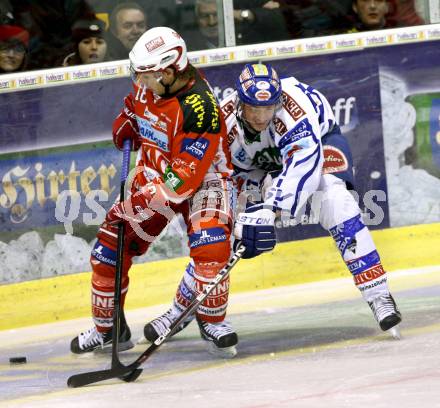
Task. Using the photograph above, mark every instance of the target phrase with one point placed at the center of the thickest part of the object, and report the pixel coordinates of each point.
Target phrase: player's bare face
(258, 117)
(150, 80)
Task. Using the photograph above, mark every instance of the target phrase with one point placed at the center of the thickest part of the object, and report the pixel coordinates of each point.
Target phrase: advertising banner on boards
(380, 96)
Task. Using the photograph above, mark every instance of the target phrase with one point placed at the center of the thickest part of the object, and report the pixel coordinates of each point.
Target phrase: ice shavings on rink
(27, 258)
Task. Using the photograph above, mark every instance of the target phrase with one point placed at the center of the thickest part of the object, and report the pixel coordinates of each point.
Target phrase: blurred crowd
(36, 34)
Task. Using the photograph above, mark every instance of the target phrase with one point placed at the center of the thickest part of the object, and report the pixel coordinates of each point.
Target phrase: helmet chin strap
(166, 86)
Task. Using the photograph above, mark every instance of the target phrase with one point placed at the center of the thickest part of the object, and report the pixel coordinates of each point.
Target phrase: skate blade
(395, 332)
(107, 349)
(225, 352)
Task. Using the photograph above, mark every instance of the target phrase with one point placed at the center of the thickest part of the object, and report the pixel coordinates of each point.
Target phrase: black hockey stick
(132, 371)
(117, 307)
(117, 311)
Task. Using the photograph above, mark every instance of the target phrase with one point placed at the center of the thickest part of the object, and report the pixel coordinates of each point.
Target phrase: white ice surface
(312, 345)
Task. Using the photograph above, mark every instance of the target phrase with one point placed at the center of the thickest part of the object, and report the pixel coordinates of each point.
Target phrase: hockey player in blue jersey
(285, 146)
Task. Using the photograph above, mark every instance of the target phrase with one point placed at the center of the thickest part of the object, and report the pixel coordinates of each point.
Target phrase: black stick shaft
(117, 311)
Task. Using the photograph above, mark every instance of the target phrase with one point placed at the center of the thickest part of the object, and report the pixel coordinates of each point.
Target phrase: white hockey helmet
(157, 49)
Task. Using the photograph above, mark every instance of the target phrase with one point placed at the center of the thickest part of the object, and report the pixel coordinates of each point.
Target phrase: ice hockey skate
(386, 313)
(161, 324)
(92, 340)
(220, 337)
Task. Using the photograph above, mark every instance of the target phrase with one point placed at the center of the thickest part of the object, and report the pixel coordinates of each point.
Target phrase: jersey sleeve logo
(195, 147)
(335, 160)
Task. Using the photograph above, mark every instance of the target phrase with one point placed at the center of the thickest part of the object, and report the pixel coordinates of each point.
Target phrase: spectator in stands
(90, 45)
(207, 21)
(14, 41)
(310, 18)
(370, 14)
(128, 22)
(261, 22)
(49, 25)
(403, 13)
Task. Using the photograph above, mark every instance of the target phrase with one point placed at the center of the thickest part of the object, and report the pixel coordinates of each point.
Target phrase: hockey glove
(255, 229)
(125, 126)
(140, 206)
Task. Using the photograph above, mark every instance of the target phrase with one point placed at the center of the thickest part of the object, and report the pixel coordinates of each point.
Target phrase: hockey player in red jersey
(183, 166)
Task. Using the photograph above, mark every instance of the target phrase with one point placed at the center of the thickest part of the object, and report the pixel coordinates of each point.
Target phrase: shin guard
(103, 261)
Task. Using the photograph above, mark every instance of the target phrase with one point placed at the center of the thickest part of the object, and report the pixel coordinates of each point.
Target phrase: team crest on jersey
(268, 159)
(335, 160)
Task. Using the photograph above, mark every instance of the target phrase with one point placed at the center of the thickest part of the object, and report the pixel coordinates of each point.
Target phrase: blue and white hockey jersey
(292, 143)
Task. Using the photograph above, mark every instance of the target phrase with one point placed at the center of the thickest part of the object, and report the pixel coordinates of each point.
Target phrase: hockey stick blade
(132, 371)
(124, 373)
(190, 310)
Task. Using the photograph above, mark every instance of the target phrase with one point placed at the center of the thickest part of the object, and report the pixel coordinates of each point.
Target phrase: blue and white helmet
(259, 85)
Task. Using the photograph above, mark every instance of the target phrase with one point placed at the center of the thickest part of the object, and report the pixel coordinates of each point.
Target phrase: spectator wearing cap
(14, 41)
(128, 22)
(90, 45)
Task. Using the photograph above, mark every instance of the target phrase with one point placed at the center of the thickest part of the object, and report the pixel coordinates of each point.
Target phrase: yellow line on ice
(68, 297)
